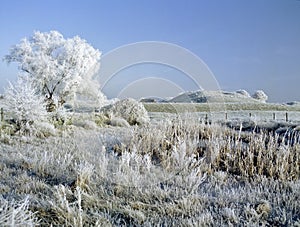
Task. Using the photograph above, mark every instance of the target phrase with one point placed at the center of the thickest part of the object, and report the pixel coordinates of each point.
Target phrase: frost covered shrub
(23, 105)
(131, 110)
(260, 95)
(243, 92)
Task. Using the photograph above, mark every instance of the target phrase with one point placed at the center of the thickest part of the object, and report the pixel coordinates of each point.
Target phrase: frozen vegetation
(128, 109)
(175, 173)
(58, 68)
(65, 161)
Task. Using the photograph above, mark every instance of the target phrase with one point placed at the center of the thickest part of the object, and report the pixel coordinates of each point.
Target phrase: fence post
(1, 115)
(286, 117)
(206, 118)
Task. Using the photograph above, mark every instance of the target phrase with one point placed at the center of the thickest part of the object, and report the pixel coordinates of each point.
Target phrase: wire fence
(266, 115)
(256, 115)
(282, 116)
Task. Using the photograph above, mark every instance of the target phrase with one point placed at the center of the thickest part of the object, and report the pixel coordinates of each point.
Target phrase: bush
(131, 110)
(24, 106)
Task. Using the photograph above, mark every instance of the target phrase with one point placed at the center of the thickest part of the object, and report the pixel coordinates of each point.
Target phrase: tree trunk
(50, 106)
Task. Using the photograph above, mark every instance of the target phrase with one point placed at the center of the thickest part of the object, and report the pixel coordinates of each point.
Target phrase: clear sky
(248, 44)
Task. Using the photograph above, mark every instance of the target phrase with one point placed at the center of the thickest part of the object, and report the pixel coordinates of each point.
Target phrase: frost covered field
(175, 173)
(70, 157)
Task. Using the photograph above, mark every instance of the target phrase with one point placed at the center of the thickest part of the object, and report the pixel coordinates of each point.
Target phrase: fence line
(226, 117)
(274, 116)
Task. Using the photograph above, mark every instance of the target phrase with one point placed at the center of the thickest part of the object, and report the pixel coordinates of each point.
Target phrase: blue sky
(246, 44)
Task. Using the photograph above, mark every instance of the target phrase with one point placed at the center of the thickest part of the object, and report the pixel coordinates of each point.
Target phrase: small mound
(131, 110)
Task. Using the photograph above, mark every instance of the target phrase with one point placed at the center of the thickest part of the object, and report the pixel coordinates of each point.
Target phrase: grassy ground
(206, 107)
(176, 173)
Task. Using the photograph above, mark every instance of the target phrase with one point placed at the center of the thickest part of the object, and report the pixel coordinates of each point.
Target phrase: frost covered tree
(88, 93)
(55, 66)
(260, 95)
(22, 103)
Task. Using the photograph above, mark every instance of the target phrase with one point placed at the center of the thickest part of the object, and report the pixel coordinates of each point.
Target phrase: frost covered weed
(174, 173)
(16, 213)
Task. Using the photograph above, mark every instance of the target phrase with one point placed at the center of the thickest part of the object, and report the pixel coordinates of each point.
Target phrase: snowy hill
(213, 97)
